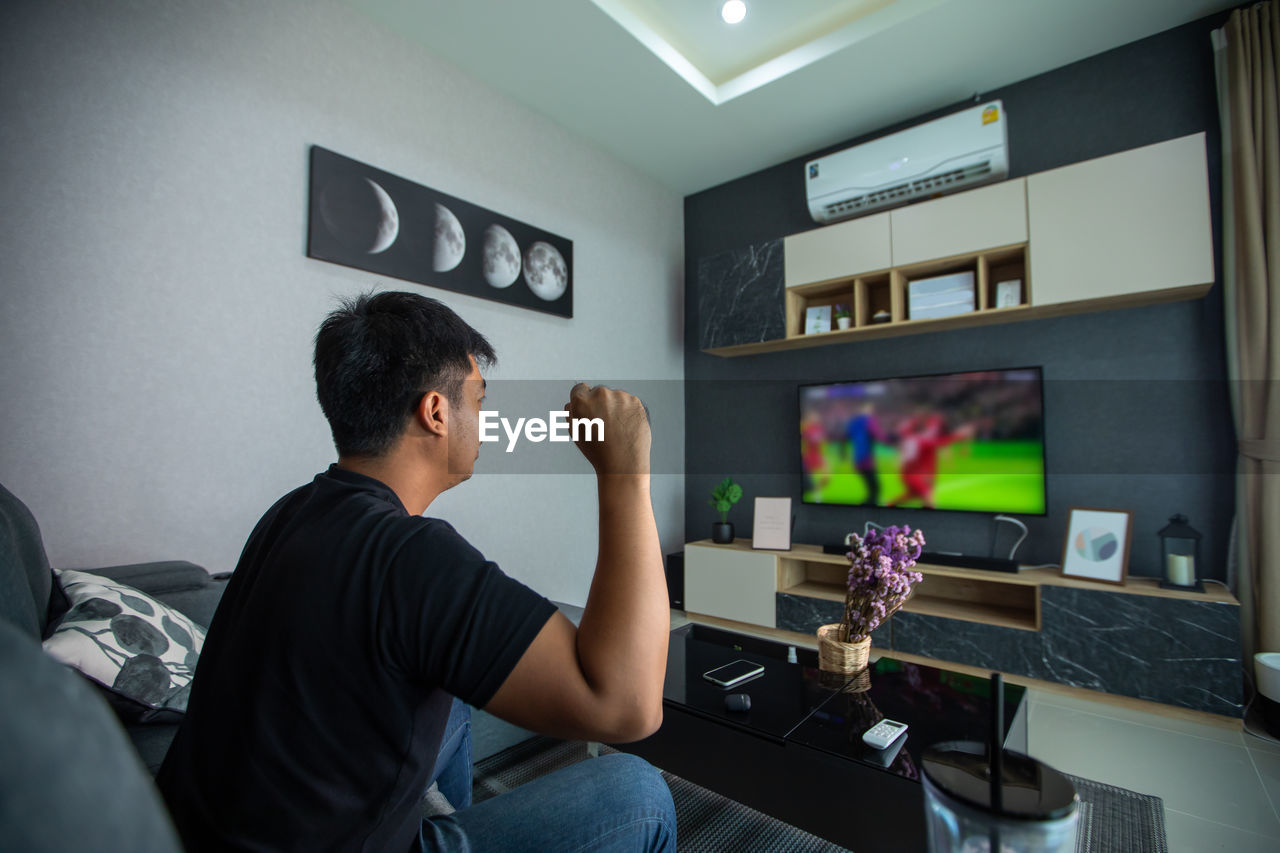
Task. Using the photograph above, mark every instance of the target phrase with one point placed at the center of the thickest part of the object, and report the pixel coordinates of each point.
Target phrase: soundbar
(964, 561)
(959, 561)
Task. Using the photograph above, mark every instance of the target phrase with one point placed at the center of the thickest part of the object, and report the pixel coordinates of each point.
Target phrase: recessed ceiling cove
(723, 61)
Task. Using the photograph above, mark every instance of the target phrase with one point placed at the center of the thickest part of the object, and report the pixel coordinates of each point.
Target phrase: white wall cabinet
(837, 251)
(1132, 223)
(972, 221)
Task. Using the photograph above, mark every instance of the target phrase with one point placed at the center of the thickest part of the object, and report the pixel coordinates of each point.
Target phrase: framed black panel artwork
(363, 217)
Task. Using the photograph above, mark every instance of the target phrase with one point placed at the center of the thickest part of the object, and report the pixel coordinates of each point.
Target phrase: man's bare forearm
(622, 638)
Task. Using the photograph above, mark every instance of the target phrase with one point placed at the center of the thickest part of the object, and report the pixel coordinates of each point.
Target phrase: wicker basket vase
(860, 683)
(835, 656)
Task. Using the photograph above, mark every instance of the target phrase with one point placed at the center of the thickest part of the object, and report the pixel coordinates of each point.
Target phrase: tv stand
(1036, 623)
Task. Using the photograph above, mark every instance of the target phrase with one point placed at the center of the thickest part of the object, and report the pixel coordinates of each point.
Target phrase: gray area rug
(1118, 819)
(1112, 820)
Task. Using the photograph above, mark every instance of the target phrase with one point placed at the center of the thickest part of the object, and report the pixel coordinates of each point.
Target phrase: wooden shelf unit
(886, 290)
(970, 595)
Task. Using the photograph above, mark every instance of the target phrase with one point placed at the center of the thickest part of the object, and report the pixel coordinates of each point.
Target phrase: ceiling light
(733, 11)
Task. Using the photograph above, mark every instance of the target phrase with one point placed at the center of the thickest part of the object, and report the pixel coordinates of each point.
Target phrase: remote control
(883, 733)
(885, 757)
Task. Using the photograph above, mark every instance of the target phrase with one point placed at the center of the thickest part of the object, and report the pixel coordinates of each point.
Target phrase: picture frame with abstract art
(363, 217)
(1097, 546)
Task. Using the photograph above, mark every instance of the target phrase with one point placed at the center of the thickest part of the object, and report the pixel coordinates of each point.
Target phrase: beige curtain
(1250, 107)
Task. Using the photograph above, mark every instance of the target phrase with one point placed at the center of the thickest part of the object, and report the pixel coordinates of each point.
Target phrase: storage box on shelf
(1035, 623)
(945, 295)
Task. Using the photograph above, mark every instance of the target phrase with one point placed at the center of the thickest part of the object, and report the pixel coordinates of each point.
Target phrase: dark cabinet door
(1168, 650)
(740, 296)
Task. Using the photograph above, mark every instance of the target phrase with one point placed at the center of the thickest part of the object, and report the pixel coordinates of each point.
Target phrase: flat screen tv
(956, 441)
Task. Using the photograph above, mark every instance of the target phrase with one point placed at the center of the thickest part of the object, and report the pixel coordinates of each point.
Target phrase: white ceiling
(669, 88)
(723, 61)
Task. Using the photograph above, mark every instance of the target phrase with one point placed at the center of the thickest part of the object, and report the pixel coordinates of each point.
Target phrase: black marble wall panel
(740, 296)
(807, 615)
(1163, 649)
(989, 646)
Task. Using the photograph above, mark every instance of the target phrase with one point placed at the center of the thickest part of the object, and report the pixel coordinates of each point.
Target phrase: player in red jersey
(919, 440)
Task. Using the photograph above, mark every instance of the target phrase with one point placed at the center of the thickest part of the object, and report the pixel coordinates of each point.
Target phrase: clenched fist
(627, 439)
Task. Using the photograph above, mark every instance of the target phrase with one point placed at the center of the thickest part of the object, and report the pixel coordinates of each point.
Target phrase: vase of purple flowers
(879, 583)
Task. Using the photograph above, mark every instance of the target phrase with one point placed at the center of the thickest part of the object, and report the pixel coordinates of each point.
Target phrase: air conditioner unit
(948, 154)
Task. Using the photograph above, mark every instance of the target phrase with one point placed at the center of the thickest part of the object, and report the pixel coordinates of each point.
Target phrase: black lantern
(1180, 552)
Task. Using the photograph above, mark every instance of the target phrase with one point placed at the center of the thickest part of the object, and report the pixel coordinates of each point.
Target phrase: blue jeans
(612, 803)
(453, 764)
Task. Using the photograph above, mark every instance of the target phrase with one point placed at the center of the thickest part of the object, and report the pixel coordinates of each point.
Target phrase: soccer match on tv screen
(960, 441)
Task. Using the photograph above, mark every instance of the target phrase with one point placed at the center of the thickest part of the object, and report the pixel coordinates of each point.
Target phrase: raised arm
(603, 680)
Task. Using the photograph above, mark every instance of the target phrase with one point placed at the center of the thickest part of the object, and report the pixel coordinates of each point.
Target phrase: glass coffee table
(798, 754)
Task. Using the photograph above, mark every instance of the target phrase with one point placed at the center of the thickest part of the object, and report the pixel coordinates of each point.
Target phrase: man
(326, 682)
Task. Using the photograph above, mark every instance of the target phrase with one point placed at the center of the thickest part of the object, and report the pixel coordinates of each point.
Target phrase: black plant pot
(722, 532)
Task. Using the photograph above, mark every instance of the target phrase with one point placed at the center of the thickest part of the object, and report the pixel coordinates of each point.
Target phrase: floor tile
(1190, 834)
(1262, 744)
(1201, 777)
(1226, 732)
(1268, 764)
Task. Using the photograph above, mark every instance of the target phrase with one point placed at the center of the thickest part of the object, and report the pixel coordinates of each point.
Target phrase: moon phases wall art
(372, 220)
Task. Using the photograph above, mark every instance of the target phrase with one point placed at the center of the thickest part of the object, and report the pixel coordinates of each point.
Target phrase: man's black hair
(378, 354)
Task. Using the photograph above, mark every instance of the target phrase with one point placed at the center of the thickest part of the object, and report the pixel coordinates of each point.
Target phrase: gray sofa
(72, 776)
(30, 601)
(70, 779)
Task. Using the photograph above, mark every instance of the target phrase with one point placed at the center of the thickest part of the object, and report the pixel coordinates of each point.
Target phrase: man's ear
(432, 413)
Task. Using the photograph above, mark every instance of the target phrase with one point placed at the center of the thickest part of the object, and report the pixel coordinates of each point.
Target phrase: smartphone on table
(735, 673)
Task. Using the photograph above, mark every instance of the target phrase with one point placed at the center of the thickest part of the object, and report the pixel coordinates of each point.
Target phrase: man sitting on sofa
(328, 675)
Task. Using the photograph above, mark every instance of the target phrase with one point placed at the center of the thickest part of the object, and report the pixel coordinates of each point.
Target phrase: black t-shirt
(326, 677)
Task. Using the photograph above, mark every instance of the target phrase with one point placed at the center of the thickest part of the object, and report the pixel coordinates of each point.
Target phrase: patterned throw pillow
(141, 651)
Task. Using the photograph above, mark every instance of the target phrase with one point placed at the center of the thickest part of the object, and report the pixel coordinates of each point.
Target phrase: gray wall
(1137, 414)
(158, 308)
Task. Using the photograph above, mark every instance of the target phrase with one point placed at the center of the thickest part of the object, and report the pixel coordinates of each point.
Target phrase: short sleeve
(449, 618)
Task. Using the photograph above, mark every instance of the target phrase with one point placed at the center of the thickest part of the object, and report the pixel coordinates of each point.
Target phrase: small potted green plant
(723, 497)
(843, 317)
